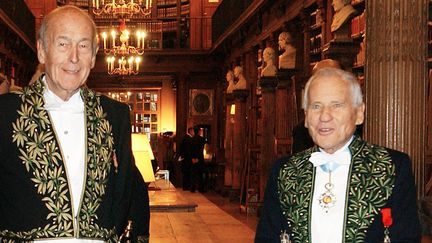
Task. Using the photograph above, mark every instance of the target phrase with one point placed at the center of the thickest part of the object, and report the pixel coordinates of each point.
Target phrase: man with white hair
(67, 173)
(343, 189)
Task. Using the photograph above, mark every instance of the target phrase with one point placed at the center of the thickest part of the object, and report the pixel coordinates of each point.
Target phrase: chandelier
(127, 54)
(122, 8)
(131, 66)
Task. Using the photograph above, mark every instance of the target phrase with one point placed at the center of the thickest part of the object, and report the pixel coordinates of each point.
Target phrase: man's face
(330, 116)
(68, 56)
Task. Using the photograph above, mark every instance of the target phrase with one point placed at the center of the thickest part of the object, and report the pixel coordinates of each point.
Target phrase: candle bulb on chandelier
(138, 35)
(113, 34)
(137, 62)
(108, 63)
(104, 36)
(130, 63)
(112, 63)
(97, 4)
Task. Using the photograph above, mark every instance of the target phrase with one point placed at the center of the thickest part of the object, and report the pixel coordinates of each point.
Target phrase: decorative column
(268, 87)
(228, 144)
(395, 85)
(182, 107)
(286, 112)
(239, 138)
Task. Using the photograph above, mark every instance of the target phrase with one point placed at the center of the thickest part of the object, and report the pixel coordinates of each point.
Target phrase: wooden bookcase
(358, 34)
(145, 112)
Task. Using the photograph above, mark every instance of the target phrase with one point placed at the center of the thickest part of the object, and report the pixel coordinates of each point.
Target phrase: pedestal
(268, 88)
(286, 111)
(239, 136)
(343, 51)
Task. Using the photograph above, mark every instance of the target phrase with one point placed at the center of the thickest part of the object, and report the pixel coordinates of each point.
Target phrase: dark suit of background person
(197, 154)
(378, 177)
(36, 189)
(186, 162)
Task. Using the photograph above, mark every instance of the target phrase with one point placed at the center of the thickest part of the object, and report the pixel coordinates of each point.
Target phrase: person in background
(185, 158)
(197, 158)
(4, 84)
(343, 189)
(67, 173)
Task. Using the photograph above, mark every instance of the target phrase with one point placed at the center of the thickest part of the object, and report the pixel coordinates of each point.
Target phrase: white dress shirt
(69, 125)
(327, 225)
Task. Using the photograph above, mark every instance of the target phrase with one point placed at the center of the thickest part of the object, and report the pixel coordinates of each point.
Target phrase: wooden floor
(215, 219)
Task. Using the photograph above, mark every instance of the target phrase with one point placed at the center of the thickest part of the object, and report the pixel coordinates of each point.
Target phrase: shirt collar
(54, 103)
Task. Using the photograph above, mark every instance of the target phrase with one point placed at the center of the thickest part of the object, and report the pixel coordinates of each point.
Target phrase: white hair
(356, 93)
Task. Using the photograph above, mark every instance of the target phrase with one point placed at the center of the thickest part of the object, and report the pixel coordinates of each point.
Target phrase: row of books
(166, 2)
(169, 26)
(150, 27)
(315, 44)
(361, 55)
(167, 12)
(358, 25)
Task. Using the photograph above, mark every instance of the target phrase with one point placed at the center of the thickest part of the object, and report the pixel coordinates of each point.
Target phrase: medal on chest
(327, 199)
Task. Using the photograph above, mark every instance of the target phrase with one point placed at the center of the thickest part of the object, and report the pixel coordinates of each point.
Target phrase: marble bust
(230, 80)
(287, 59)
(343, 11)
(241, 81)
(270, 68)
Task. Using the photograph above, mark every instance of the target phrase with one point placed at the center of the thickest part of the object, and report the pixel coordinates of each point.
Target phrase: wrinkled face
(68, 56)
(330, 115)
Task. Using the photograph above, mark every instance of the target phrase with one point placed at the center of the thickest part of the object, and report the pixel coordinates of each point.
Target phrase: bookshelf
(144, 108)
(358, 34)
(314, 34)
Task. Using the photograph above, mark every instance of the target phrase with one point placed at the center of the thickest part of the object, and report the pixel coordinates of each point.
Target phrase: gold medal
(327, 199)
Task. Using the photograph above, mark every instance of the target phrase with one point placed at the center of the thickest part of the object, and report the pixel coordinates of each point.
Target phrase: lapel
(41, 156)
(372, 176)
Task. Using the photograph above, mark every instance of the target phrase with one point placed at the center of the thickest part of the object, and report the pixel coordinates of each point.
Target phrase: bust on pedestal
(230, 80)
(270, 67)
(241, 81)
(340, 26)
(287, 60)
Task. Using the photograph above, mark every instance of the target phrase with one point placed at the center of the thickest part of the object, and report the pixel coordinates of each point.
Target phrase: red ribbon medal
(387, 222)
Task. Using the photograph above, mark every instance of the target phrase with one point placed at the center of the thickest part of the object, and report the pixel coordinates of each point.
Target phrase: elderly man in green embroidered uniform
(66, 167)
(335, 191)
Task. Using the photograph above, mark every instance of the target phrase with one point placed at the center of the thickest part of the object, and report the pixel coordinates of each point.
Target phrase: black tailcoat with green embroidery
(35, 198)
(378, 178)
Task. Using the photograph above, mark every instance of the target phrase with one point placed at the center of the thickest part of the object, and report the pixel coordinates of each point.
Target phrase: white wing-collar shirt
(69, 125)
(327, 225)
